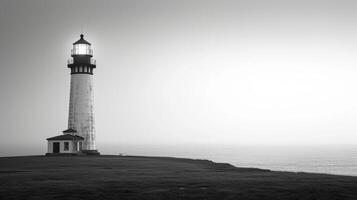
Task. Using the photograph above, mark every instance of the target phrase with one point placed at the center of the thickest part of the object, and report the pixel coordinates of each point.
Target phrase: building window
(66, 146)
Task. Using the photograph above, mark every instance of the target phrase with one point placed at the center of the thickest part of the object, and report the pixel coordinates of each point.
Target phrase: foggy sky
(182, 72)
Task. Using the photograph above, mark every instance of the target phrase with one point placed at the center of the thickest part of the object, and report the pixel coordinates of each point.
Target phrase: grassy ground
(128, 177)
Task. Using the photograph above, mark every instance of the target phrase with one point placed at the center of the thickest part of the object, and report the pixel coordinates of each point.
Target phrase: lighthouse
(79, 137)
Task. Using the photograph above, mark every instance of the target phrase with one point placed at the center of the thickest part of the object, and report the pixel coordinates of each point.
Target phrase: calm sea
(340, 160)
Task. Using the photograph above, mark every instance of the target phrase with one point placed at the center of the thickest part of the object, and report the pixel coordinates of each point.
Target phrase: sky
(182, 72)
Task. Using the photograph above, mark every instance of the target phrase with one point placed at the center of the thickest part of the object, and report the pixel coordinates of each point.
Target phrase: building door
(80, 146)
(56, 147)
(75, 146)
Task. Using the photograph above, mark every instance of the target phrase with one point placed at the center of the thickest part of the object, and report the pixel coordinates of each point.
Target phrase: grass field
(133, 177)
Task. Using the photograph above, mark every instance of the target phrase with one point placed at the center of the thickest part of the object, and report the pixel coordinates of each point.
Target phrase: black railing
(92, 61)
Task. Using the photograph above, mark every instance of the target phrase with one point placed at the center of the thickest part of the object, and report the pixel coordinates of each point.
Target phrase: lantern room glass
(81, 49)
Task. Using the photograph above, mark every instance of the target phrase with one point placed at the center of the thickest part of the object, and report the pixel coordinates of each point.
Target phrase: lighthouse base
(90, 152)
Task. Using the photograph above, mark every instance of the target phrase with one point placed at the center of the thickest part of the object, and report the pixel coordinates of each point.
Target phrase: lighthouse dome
(81, 41)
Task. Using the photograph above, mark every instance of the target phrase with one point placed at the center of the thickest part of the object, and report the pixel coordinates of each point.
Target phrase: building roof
(66, 137)
(81, 41)
(70, 130)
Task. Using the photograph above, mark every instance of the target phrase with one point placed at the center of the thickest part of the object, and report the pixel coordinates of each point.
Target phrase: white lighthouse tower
(80, 135)
(81, 113)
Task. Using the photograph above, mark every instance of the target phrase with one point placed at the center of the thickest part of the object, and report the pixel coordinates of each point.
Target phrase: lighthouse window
(80, 69)
(66, 146)
(81, 49)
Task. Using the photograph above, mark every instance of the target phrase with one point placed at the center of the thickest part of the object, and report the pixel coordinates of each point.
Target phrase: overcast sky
(183, 72)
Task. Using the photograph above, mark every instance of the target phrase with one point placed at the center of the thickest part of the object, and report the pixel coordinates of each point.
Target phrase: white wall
(81, 109)
(70, 150)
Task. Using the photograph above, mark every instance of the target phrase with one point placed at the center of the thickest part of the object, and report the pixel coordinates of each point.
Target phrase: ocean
(341, 161)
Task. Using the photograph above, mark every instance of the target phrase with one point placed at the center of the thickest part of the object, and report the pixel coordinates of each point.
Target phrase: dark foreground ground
(129, 177)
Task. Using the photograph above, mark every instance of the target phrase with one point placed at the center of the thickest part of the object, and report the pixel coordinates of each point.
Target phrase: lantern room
(81, 47)
(81, 60)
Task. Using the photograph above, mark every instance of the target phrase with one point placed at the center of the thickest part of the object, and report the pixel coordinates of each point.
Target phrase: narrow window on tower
(66, 146)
